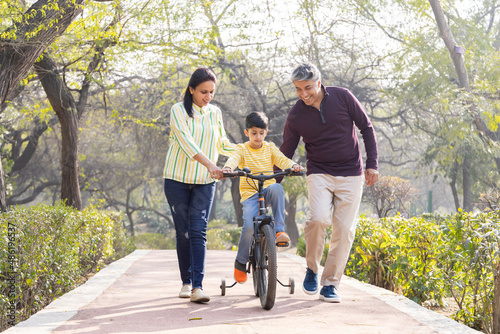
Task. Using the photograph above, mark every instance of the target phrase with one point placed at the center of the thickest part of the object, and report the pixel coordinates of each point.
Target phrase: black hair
(257, 119)
(199, 76)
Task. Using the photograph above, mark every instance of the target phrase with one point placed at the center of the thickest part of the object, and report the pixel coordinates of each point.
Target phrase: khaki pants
(343, 195)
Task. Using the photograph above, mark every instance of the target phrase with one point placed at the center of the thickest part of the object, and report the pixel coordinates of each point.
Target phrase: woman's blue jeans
(190, 205)
(274, 196)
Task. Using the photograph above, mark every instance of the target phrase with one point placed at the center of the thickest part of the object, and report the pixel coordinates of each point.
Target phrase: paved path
(138, 294)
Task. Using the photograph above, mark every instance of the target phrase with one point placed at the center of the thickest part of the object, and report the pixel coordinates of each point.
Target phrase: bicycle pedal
(282, 244)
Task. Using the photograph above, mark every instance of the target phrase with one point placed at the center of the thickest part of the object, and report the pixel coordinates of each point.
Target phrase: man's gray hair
(305, 72)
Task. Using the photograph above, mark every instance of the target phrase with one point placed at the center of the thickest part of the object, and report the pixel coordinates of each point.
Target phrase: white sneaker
(198, 296)
(185, 291)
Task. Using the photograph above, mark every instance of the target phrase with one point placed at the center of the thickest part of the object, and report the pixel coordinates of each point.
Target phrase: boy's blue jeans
(274, 195)
(190, 205)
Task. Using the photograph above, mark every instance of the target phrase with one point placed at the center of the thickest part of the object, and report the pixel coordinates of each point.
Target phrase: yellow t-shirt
(258, 160)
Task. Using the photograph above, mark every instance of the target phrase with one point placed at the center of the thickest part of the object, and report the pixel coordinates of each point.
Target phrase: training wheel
(223, 287)
(291, 282)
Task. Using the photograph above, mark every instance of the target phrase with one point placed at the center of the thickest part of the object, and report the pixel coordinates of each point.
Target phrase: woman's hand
(215, 172)
(226, 170)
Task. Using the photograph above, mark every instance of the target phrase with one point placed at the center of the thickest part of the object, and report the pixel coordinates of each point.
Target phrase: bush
(430, 257)
(301, 246)
(46, 251)
(154, 241)
(390, 194)
(220, 236)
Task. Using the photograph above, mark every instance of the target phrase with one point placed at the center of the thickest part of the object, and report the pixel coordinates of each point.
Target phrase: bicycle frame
(261, 178)
(262, 260)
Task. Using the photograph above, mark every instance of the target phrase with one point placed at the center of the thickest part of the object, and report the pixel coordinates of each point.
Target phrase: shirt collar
(200, 110)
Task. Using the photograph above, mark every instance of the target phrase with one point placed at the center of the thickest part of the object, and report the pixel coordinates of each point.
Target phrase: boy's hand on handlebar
(297, 168)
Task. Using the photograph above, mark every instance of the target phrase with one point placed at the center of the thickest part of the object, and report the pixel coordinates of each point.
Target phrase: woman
(197, 137)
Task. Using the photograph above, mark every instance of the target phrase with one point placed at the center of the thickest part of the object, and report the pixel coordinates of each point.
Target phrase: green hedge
(52, 249)
(430, 257)
(220, 236)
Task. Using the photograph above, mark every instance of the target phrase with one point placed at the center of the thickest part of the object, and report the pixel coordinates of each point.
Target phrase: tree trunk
(22, 159)
(18, 54)
(457, 55)
(235, 195)
(455, 51)
(496, 301)
(466, 179)
(33, 36)
(129, 211)
(453, 185)
(291, 225)
(64, 106)
(3, 203)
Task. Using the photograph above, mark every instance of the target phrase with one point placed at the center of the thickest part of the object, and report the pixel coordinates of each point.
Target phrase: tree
(390, 194)
(458, 127)
(65, 108)
(25, 41)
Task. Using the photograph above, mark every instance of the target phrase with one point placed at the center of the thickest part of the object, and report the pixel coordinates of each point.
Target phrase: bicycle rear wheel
(267, 268)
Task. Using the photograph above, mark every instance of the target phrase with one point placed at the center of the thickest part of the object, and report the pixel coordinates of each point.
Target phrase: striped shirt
(202, 133)
(258, 160)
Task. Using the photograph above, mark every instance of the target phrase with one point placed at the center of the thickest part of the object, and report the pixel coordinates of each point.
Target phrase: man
(324, 117)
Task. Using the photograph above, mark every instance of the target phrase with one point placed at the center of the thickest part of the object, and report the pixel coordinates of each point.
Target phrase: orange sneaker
(240, 272)
(282, 239)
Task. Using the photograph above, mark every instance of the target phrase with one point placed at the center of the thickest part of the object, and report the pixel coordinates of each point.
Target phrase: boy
(259, 156)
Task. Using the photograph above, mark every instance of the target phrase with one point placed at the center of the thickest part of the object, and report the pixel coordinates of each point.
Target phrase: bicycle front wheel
(267, 268)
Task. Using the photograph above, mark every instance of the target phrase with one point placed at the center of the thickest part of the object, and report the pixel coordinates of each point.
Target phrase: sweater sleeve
(279, 159)
(366, 129)
(291, 138)
(236, 158)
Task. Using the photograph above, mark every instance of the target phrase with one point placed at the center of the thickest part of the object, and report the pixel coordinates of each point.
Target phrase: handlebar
(261, 177)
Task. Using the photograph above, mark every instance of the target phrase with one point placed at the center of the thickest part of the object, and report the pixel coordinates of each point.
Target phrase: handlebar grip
(233, 174)
(290, 172)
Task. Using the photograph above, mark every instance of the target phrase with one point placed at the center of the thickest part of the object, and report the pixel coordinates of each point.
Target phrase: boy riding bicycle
(259, 156)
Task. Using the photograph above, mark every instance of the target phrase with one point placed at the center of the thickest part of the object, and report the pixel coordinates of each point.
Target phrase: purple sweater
(332, 145)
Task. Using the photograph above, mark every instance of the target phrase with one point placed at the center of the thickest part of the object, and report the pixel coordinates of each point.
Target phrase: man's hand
(371, 176)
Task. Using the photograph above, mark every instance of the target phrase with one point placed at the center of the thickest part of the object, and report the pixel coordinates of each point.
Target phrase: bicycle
(262, 261)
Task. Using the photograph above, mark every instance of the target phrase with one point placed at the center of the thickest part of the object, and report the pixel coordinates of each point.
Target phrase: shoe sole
(307, 292)
(201, 300)
(329, 300)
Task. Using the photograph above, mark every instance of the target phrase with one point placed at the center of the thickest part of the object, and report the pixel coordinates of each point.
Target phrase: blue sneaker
(328, 294)
(310, 285)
